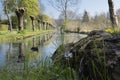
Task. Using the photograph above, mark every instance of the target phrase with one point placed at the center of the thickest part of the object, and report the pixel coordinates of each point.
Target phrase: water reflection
(21, 56)
(34, 47)
(32, 50)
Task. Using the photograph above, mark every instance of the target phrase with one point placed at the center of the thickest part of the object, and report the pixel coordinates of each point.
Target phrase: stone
(100, 33)
(97, 48)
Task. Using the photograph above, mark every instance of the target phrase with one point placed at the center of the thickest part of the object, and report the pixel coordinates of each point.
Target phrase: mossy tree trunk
(39, 24)
(43, 25)
(113, 17)
(33, 24)
(20, 13)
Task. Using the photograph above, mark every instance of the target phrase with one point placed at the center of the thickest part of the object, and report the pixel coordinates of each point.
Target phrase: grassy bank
(7, 36)
(45, 71)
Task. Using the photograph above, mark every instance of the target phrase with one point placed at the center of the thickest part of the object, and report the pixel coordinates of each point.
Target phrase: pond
(32, 50)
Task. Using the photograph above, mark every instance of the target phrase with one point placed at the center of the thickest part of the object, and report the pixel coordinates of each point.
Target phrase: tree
(64, 6)
(20, 13)
(85, 17)
(32, 7)
(113, 17)
(33, 24)
(14, 21)
(70, 15)
(102, 20)
(45, 19)
(118, 14)
(8, 8)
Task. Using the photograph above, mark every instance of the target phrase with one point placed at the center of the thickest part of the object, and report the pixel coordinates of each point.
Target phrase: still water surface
(33, 50)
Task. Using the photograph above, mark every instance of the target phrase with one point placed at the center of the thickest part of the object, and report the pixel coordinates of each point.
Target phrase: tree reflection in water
(21, 57)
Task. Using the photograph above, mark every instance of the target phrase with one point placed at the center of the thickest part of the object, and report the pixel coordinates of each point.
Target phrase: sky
(92, 6)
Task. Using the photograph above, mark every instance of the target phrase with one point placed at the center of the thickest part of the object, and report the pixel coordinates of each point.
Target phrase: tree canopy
(32, 7)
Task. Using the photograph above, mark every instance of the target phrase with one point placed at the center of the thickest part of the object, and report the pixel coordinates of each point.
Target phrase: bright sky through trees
(92, 6)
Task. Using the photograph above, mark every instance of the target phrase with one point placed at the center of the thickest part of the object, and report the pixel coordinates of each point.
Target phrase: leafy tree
(32, 7)
(14, 21)
(8, 8)
(20, 13)
(46, 18)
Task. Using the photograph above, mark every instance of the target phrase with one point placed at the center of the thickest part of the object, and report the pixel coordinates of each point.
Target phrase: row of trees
(23, 12)
(68, 13)
(77, 22)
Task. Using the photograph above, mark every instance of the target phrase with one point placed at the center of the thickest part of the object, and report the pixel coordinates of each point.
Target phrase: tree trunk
(20, 14)
(39, 25)
(33, 25)
(20, 23)
(43, 25)
(9, 19)
(113, 17)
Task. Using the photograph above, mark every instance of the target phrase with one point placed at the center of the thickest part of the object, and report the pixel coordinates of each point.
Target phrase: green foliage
(4, 21)
(115, 31)
(10, 5)
(22, 32)
(43, 71)
(46, 18)
(32, 7)
(109, 31)
(6, 36)
(3, 27)
(14, 22)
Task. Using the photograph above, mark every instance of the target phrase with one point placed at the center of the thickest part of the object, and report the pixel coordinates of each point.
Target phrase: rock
(100, 33)
(99, 49)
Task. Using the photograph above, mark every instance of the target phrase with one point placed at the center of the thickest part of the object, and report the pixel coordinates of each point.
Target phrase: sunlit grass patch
(4, 27)
(113, 31)
(109, 30)
(10, 36)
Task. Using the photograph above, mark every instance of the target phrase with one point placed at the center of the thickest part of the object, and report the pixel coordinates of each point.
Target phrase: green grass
(3, 27)
(45, 71)
(48, 71)
(115, 31)
(7, 36)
